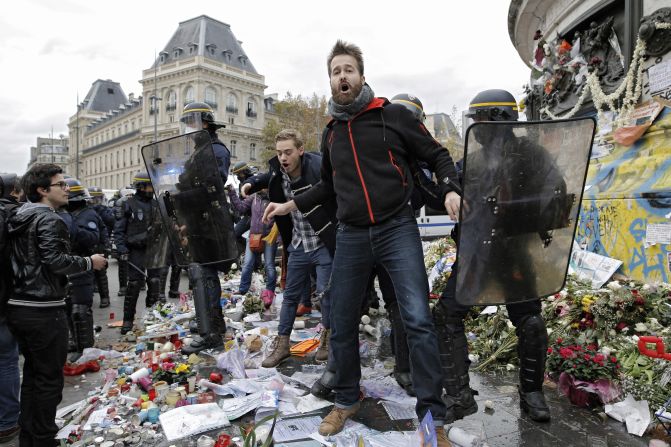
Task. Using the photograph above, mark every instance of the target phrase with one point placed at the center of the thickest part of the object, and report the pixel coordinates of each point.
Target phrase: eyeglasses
(63, 185)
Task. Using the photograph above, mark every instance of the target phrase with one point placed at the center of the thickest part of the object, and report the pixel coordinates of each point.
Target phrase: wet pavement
(502, 425)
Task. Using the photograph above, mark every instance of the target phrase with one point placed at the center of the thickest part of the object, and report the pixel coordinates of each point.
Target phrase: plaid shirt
(302, 231)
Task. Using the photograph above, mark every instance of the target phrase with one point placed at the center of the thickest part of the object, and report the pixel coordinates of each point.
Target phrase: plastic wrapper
(232, 361)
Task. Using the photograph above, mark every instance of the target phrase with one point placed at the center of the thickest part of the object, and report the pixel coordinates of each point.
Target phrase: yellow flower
(182, 367)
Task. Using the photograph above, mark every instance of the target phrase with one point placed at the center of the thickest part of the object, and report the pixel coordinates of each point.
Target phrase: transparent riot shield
(158, 245)
(522, 187)
(192, 201)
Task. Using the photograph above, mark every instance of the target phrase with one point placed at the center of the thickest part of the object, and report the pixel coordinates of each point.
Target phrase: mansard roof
(103, 96)
(205, 36)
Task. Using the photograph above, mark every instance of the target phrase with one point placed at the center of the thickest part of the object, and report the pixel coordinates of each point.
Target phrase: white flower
(606, 350)
(646, 287)
(510, 367)
(614, 286)
(641, 327)
(635, 338)
(563, 293)
(510, 324)
(632, 284)
(550, 330)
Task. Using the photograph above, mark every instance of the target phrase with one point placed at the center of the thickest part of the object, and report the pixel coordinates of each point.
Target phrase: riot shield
(522, 187)
(158, 245)
(192, 201)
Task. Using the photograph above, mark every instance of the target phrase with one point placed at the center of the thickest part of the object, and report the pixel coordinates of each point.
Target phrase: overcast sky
(442, 51)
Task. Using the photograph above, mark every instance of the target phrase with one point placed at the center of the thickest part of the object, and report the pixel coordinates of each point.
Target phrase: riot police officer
(493, 105)
(207, 289)
(122, 261)
(107, 216)
(88, 235)
(131, 229)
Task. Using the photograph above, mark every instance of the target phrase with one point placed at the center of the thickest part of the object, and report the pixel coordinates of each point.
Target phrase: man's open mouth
(344, 87)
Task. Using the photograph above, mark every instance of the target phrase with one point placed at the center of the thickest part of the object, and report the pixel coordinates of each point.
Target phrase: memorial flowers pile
(589, 326)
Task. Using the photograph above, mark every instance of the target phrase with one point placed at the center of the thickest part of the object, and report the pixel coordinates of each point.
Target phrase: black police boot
(174, 281)
(213, 338)
(164, 280)
(401, 351)
(129, 303)
(153, 291)
(532, 348)
(454, 363)
(123, 277)
(323, 387)
(82, 321)
(103, 288)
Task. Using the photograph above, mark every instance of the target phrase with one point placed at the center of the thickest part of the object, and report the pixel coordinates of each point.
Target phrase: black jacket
(133, 223)
(322, 217)
(7, 207)
(366, 164)
(40, 258)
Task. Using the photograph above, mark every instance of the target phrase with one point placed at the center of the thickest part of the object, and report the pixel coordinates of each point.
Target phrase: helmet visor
(190, 122)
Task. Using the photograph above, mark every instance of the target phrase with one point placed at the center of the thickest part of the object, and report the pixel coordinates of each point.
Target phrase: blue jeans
(9, 378)
(394, 246)
(298, 272)
(269, 251)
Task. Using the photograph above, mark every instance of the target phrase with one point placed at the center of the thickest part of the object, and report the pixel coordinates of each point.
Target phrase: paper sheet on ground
(399, 411)
(97, 417)
(62, 412)
(592, 267)
(305, 379)
(191, 420)
(296, 428)
(309, 403)
(348, 434)
(635, 414)
(387, 389)
(239, 406)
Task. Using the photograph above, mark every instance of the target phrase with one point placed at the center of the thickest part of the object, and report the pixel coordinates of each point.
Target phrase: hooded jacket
(40, 258)
(366, 164)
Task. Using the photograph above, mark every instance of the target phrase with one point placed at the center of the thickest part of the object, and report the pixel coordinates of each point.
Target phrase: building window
(117, 159)
(188, 95)
(172, 101)
(251, 107)
(231, 120)
(138, 155)
(132, 152)
(211, 97)
(227, 55)
(232, 103)
(125, 128)
(132, 125)
(234, 150)
(252, 151)
(124, 158)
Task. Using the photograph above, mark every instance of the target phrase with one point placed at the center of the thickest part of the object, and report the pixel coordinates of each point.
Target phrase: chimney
(131, 97)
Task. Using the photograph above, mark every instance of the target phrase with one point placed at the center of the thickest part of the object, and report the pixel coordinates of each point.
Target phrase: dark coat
(366, 164)
(322, 218)
(40, 256)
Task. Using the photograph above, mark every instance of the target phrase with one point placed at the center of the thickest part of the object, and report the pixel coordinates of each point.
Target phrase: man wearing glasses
(40, 259)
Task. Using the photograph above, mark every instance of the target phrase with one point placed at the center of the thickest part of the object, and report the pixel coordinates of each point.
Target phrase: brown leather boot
(441, 438)
(280, 352)
(322, 354)
(335, 421)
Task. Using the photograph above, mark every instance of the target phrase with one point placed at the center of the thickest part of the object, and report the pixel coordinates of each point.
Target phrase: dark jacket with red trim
(366, 164)
(322, 216)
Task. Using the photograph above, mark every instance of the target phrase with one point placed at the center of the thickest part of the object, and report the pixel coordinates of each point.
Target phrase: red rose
(620, 326)
(599, 358)
(566, 353)
(613, 359)
(550, 351)
(639, 301)
(560, 340)
(591, 347)
(587, 357)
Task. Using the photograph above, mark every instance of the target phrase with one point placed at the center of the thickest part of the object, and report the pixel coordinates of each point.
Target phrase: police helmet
(141, 179)
(493, 105)
(96, 191)
(77, 192)
(412, 103)
(194, 115)
(7, 184)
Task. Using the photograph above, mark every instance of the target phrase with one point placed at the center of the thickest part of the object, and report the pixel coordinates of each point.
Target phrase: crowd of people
(343, 216)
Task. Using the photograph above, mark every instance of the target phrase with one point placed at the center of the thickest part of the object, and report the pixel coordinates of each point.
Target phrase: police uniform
(107, 216)
(131, 230)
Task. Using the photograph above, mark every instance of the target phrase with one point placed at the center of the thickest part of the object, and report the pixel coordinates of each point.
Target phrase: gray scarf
(348, 111)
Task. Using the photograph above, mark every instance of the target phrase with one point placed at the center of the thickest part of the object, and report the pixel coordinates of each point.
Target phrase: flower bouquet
(585, 375)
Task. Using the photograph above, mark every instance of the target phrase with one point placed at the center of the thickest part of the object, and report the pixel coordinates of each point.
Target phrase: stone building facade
(202, 62)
